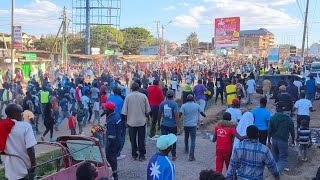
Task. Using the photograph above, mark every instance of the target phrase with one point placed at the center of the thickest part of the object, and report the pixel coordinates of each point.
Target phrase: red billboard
(226, 32)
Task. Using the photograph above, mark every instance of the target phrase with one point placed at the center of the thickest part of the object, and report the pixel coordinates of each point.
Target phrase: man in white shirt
(250, 90)
(297, 83)
(85, 100)
(304, 106)
(20, 143)
(235, 111)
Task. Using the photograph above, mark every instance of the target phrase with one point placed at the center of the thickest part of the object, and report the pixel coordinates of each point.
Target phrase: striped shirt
(304, 135)
(249, 159)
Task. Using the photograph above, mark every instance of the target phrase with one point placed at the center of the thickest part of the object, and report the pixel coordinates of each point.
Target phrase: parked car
(274, 82)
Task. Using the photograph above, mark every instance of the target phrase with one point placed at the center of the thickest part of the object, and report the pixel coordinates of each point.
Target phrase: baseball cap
(170, 93)
(109, 105)
(235, 101)
(166, 141)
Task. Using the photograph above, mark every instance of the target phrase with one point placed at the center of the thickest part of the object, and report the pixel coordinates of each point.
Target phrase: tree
(135, 38)
(46, 43)
(193, 43)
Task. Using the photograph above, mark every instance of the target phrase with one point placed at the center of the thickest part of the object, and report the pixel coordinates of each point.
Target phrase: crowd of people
(260, 137)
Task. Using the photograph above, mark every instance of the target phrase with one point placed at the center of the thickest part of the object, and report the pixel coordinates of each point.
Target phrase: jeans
(36, 121)
(73, 106)
(86, 117)
(202, 104)
(280, 153)
(122, 138)
(63, 115)
(73, 131)
(111, 155)
(219, 91)
(190, 131)
(154, 115)
(141, 132)
(303, 150)
(43, 106)
(250, 98)
(310, 96)
(167, 130)
(266, 93)
(97, 117)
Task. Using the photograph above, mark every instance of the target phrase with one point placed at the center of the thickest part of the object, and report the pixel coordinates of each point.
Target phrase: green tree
(135, 38)
(46, 43)
(193, 43)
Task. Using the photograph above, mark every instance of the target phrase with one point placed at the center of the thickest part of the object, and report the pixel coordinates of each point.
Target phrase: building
(27, 41)
(256, 42)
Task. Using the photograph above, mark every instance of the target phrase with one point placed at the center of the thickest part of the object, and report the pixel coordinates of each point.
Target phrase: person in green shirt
(280, 126)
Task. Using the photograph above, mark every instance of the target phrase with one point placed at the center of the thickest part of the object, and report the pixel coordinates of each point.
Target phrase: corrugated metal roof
(261, 31)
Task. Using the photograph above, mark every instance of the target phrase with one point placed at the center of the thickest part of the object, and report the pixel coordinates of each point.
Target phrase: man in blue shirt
(170, 119)
(160, 167)
(311, 88)
(261, 120)
(113, 131)
(118, 101)
(190, 110)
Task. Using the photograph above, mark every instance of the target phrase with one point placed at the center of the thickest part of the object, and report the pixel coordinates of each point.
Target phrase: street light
(163, 26)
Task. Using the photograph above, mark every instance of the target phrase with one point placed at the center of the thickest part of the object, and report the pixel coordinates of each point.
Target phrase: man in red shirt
(78, 93)
(223, 135)
(155, 97)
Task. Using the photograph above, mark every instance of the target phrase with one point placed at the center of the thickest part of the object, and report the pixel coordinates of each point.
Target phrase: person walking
(266, 88)
(261, 120)
(64, 103)
(231, 92)
(200, 98)
(85, 101)
(160, 167)
(250, 157)
(190, 111)
(284, 100)
(187, 90)
(136, 110)
(246, 120)
(311, 88)
(155, 97)
(234, 110)
(251, 84)
(168, 111)
(280, 126)
(219, 88)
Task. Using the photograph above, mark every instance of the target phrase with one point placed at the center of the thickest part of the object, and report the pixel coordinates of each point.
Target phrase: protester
(87, 171)
(136, 109)
(187, 90)
(155, 97)
(266, 87)
(160, 167)
(284, 100)
(200, 98)
(224, 131)
(304, 138)
(49, 121)
(311, 88)
(168, 111)
(250, 157)
(251, 84)
(190, 111)
(219, 89)
(234, 110)
(72, 123)
(246, 120)
(261, 120)
(17, 139)
(96, 109)
(64, 102)
(280, 126)
(231, 92)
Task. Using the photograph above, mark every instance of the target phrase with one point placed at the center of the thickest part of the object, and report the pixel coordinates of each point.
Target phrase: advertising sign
(95, 51)
(109, 52)
(17, 37)
(273, 54)
(149, 50)
(226, 31)
(29, 56)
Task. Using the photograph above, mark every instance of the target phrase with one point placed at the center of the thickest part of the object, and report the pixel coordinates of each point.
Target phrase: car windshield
(81, 150)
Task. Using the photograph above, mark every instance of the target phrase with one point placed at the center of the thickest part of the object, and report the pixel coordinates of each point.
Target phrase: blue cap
(166, 141)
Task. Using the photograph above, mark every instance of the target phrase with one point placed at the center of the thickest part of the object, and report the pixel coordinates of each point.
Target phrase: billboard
(226, 32)
(273, 54)
(17, 37)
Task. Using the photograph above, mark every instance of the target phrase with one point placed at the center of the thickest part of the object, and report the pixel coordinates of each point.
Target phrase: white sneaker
(122, 156)
(154, 138)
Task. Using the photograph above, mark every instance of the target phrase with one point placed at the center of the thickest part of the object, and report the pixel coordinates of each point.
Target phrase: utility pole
(159, 42)
(64, 39)
(304, 31)
(307, 42)
(12, 39)
(87, 47)
(162, 43)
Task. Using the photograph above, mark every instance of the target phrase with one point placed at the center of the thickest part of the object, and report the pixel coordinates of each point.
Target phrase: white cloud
(251, 14)
(170, 8)
(185, 21)
(39, 15)
(265, 2)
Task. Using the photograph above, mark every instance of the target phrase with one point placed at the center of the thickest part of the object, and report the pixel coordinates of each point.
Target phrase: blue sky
(282, 17)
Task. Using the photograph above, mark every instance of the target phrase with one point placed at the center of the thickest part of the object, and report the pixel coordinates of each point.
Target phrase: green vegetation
(45, 169)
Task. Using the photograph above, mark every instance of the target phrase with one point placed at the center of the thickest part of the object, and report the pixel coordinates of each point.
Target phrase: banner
(226, 31)
(17, 37)
(273, 54)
